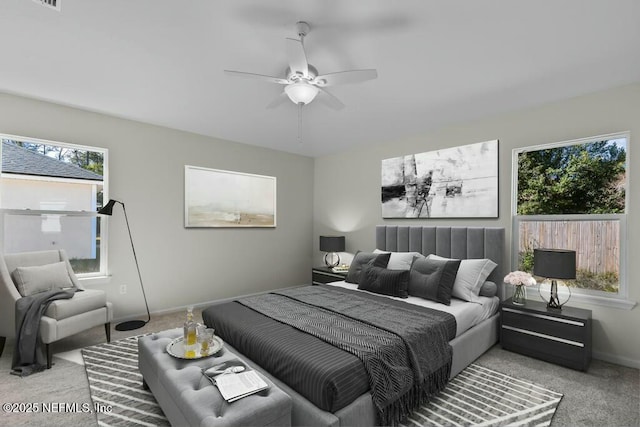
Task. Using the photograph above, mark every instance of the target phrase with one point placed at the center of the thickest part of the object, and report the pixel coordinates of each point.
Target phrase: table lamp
(331, 245)
(554, 264)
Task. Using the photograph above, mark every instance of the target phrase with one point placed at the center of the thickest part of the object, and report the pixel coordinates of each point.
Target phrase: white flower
(519, 278)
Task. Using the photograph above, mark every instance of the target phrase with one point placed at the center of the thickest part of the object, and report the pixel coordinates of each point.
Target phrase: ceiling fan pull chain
(300, 104)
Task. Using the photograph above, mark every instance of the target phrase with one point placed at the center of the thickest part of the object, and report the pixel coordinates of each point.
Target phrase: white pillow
(399, 260)
(471, 275)
(41, 278)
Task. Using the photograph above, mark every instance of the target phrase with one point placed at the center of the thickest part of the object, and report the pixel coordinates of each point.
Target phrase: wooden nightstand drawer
(572, 330)
(571, 354)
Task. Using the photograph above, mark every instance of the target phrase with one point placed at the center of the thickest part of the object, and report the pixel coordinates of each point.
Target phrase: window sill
(612, 302)
(621, 303)
(95, 280)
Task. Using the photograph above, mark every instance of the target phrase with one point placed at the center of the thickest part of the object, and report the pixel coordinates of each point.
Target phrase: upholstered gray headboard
(450, 242)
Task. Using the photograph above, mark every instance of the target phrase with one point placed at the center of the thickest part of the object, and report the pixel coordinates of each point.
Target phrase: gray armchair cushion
(41, 278)
(82, 302)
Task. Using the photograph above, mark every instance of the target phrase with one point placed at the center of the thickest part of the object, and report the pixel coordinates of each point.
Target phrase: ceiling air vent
(51, 4)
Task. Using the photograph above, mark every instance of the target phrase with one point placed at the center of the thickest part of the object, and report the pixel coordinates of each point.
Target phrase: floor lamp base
(130, 325)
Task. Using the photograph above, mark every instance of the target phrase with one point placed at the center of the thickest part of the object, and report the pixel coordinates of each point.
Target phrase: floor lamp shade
(554, 264)
(331, 245)
(130, 324)
(108, 208)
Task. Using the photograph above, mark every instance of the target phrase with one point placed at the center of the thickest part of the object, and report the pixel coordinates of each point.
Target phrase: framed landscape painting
(459, 182)
(220, 198)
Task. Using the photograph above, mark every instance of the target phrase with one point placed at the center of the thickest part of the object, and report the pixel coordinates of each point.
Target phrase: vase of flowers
(520, 281)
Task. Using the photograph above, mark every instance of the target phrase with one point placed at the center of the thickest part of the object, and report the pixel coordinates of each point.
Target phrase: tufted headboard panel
(450, 242)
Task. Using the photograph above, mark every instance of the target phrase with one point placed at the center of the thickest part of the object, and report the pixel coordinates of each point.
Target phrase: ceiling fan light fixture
(301, 92)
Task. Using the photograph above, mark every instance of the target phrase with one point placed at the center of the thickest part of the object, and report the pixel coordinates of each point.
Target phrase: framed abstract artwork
(220, 198)
(459, 182)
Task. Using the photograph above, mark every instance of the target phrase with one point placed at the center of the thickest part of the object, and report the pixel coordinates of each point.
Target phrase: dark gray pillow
(433, 279)
(488, 289)
(362, 258)
(382, 281)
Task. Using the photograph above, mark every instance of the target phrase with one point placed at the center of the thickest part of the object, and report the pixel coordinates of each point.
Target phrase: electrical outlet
(123, 289)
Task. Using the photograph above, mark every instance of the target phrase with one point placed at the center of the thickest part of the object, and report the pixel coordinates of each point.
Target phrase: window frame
(104, 232)
(618, 299)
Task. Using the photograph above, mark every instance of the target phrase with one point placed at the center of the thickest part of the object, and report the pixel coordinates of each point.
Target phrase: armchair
(63, 317)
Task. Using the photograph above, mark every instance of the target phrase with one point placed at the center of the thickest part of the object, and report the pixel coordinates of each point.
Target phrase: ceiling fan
(302, 82)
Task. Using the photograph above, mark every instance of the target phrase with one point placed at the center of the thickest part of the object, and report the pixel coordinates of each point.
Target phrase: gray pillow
(471, 275)
(433, 279)
(362, 258)
(41, 278)
(488, 289)
(400, 260)
(383, 281)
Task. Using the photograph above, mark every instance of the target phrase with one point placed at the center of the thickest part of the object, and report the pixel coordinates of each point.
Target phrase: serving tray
(176, 349)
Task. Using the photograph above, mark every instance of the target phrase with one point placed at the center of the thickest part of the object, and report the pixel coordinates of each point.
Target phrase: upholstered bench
(189, 399)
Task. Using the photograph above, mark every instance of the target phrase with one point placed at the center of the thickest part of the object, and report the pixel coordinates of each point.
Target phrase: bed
(343, 396)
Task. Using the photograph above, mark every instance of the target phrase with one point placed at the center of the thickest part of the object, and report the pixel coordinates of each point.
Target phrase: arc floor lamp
(130, 324)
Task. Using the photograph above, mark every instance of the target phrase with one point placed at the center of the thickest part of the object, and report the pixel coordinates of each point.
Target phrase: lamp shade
(108, 208)
(301, 92)
(332, 243)
(554, 263)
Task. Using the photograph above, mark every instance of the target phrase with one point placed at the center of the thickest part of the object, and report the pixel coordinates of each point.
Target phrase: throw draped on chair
(42, 277)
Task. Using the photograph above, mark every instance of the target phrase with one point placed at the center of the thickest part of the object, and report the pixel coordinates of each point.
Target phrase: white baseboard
(618, 360)
(143, 315)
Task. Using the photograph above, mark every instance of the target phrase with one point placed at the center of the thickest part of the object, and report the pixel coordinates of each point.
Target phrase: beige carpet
(478, 396)
(606, 394)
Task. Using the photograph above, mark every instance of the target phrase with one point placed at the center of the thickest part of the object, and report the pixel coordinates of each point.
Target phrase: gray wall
(354, 210)
(180, 266)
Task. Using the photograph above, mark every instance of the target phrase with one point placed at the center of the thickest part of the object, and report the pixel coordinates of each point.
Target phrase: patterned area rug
(477, 396)
(116, 383)
(483, 397)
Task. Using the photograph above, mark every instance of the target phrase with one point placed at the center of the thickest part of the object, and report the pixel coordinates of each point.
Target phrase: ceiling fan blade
(281, 99)
(345, 77)
(297, 58)
(256, 76)
(329, 99)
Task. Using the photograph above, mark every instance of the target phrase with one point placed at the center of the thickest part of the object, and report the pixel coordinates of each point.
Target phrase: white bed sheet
(467, 314)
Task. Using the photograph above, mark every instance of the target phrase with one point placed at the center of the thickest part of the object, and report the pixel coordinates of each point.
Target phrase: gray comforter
(402, 350)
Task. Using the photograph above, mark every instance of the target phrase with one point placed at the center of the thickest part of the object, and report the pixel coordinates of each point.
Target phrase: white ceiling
(439, 61)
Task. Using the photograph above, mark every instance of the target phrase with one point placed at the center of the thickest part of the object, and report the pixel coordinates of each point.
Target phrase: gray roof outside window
(19, 160)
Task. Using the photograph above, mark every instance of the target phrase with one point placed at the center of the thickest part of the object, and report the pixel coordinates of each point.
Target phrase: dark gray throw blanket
(406, 352)
(28, 356)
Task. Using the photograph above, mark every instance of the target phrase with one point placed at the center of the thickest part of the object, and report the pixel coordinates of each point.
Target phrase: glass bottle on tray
(190, 336)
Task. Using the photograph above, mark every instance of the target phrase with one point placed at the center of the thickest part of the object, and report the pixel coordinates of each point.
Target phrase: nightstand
(557, 336)
(321, 275)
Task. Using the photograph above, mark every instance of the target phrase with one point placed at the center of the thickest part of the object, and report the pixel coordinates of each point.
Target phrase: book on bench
(234, 386)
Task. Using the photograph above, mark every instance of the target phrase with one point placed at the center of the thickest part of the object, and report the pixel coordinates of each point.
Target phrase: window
(573, 195)
(49, 195)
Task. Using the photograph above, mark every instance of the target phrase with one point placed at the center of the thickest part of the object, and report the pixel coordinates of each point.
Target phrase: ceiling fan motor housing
(302, 28)
(294, 76)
